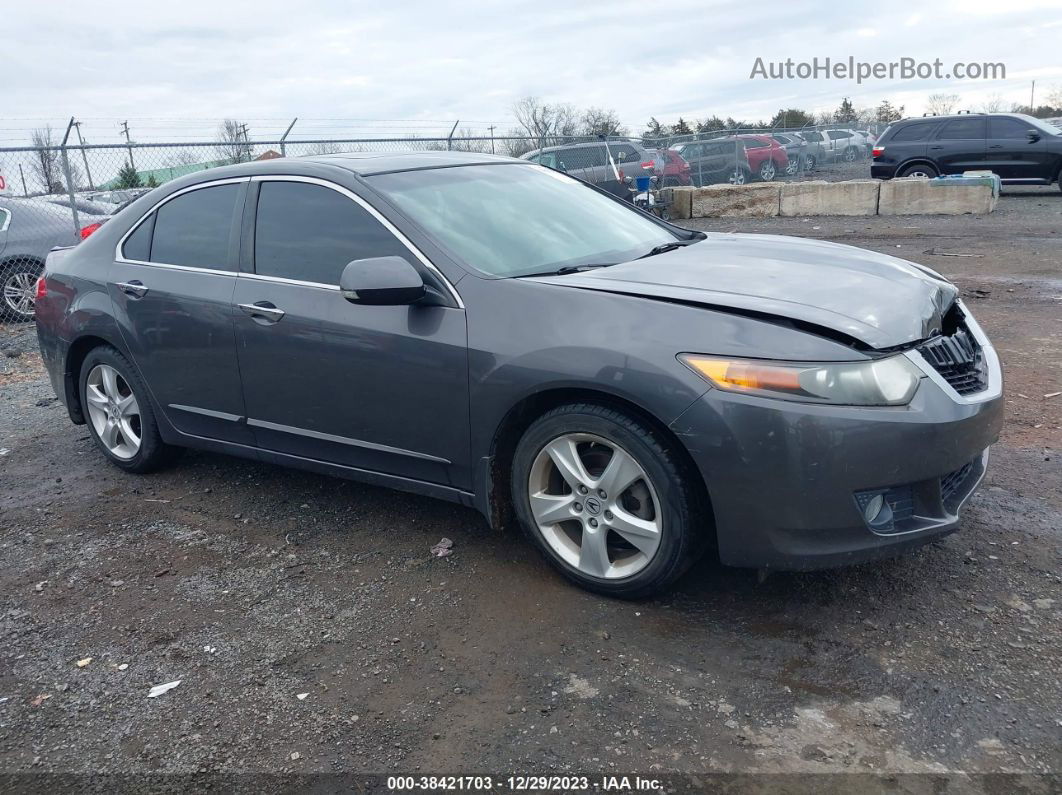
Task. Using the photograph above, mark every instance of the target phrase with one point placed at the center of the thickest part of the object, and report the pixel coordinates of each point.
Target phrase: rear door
(1012, 154)
(959, 145)
(171, 286)
(377, 388)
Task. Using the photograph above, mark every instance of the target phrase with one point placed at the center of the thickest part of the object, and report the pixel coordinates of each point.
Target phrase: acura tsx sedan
(495, 333)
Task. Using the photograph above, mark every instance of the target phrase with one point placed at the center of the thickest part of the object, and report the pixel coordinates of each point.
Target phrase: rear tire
(119, 414)
(918, 170)
(18, 289)
(768, 171)
(629, 544)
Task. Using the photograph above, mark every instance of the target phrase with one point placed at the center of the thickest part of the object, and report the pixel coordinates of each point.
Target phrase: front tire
(119, 414)
(606, 500)
(18, 290)
(767, 171)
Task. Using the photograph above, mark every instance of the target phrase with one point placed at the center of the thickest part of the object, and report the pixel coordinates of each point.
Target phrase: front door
(171, 289)
(959, 145)
(378, 388)
(1011, 153)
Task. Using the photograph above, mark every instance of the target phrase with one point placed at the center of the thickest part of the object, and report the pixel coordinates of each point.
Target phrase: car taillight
(877, 151)
(42, 289)
(88, 230)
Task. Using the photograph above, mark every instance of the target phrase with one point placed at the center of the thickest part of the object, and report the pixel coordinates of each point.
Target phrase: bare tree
(1054, 96)
(545, 123)
(182, 157)
(233, 142)
(47, 164)
(994, 104)
(517, 143)
(324, 148)
(941, 104)
(602, 121)
(46, 167)
(462, 141)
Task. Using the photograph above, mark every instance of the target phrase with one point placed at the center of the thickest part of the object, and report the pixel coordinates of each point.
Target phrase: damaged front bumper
(803, 486)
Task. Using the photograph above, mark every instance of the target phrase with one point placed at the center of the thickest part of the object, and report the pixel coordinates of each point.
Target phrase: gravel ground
(312, 631)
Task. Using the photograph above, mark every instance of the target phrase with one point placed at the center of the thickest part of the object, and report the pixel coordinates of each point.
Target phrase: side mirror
(382, 281)
(1033, 136)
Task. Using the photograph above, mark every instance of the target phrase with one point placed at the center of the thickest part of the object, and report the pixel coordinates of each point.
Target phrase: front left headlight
(880, 382)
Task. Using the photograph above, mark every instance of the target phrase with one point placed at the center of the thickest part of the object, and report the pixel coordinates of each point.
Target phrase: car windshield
(516, 220)
(1038, 124)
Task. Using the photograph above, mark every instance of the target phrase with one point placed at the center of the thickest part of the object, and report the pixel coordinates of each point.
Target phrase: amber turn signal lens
(745, 374)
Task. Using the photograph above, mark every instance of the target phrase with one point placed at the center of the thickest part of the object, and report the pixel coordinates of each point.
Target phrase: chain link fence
(54, 195)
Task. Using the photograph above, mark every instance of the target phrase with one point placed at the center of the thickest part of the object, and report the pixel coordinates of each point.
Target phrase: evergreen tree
(128, 178)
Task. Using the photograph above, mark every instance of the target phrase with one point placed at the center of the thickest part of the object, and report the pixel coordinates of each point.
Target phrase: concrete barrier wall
(855, 197)
(915, 196)
(759, 200)
(681, 202)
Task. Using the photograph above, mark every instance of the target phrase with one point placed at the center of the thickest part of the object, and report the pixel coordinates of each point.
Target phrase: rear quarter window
(913, 132)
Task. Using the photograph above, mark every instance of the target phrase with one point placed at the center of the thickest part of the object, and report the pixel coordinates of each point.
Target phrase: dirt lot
(254, 585)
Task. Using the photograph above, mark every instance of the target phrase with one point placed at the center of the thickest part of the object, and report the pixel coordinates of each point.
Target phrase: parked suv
(1020, 149)
(670, 167)
(718, 160)
(590, 163)
(795, 150)
(767, 157)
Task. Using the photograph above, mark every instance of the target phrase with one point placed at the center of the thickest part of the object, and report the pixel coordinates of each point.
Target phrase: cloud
(269, 61)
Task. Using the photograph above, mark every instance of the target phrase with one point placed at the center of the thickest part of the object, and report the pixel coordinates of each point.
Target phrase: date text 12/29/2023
(529, 783)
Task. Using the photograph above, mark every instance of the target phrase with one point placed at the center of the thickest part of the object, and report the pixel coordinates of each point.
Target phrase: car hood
(877, 300)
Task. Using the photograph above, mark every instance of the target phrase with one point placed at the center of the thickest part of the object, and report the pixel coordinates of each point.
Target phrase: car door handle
(996, 146)
(936, 147)
(134, 288)
(264, 310)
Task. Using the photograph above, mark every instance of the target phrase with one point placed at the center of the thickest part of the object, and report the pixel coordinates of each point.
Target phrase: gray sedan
(29, 229)
(495, 333)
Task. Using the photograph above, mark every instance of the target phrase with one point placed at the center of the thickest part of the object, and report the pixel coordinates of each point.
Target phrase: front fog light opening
(877, 512)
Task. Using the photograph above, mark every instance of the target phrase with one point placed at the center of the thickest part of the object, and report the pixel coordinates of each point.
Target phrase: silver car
(591, 162)
(29, 229)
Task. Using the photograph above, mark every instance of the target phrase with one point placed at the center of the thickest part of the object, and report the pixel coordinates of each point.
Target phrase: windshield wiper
(571, 269)
(671, 246)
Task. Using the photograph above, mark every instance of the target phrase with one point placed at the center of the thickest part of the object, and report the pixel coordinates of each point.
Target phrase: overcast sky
(173, 69)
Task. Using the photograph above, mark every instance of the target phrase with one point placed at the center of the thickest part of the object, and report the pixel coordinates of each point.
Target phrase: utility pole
(492, 139)
(84, 155)
(247, 143)
(128, 142)
(1032, 97)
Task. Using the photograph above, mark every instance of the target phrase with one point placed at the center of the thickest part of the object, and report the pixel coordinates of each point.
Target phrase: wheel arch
(493, 496)
(76, 353)
(917, 161)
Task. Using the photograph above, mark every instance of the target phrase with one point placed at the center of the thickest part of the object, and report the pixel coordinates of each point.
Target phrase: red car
(670, 167)
(766, 156)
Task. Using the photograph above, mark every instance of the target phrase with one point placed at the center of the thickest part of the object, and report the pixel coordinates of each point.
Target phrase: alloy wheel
(20, 293)
(114, 411)
(595, 506)
(767, 171)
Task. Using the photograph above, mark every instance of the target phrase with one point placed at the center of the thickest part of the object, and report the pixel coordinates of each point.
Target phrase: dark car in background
(604, 164)
(716, 160)
(1020, 149)
(498, 334)
(29, 229)
(796, 149)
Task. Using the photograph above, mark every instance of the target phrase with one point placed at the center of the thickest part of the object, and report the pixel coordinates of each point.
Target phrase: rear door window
(195, 228)
(962, 130)
(309, 233)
